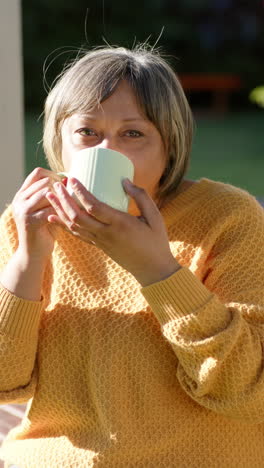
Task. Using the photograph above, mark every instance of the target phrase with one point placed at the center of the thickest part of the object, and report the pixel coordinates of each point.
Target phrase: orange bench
(220, 85)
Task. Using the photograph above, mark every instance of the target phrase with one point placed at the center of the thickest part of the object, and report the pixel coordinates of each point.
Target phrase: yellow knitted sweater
(170, 375)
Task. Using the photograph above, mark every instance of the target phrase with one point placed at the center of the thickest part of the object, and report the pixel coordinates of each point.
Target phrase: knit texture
(117, 376)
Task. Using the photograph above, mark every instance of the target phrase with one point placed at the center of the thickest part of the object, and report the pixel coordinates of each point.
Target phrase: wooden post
(11, 102)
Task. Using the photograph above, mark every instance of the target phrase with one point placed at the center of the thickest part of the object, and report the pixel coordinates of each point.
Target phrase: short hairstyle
(91, 79)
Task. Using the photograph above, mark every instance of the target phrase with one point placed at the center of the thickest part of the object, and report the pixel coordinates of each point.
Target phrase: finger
(78, 216)
(35, 187)
(55, 219)
(60, 216)
(89, 238)
(142, 219)
(37, 174)
(99, 210)
(36, 202)
(67, 202)
(147, 207)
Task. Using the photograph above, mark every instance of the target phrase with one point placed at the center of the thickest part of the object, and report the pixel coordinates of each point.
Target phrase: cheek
(66, 158)
(148, 173)
(66, 145)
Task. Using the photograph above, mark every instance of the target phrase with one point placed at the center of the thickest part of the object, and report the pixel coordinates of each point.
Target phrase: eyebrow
(128, 119)
(141, 119)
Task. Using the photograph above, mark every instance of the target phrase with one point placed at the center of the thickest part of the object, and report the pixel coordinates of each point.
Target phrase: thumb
(146, 205)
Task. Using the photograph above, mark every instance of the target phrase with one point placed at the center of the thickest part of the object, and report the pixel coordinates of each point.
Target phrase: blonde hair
(91, 79)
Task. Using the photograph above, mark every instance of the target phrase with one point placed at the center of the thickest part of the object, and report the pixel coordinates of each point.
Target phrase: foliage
(257, 95)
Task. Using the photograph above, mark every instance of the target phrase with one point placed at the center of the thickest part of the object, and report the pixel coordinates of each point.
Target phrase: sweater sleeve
(19, 323)
(216, 325)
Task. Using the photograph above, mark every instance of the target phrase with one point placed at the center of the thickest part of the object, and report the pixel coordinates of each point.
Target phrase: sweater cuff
(177, 296)
(19, 317)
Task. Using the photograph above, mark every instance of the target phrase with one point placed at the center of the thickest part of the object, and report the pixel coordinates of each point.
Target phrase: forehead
(122, 101)
(122, 104)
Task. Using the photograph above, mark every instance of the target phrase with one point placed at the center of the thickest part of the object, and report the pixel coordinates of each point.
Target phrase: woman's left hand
(138, 244)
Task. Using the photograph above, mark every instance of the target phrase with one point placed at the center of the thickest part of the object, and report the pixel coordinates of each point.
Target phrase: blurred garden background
(216, 47)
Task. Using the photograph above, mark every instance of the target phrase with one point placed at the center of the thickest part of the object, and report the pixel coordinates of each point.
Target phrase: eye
(86, 132)
(133, 133)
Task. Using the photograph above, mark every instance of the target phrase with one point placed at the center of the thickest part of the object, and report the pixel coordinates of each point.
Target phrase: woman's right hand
(31, 210)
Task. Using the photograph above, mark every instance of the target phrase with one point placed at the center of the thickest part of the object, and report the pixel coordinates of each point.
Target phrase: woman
(137, 337)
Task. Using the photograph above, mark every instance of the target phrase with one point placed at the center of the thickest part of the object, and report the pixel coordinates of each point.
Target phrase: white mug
(101, 171)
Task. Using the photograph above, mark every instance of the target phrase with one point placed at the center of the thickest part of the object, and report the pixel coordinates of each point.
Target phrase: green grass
(228, 148)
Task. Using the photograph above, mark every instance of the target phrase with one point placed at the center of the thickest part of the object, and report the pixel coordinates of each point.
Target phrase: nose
(108, 142)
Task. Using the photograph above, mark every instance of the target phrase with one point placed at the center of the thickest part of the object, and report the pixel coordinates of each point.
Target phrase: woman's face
(119, 124)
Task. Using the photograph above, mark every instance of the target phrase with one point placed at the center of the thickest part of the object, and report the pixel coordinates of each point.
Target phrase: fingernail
(64, 181)
(57, 186)
(128, 182)
(73, 181)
